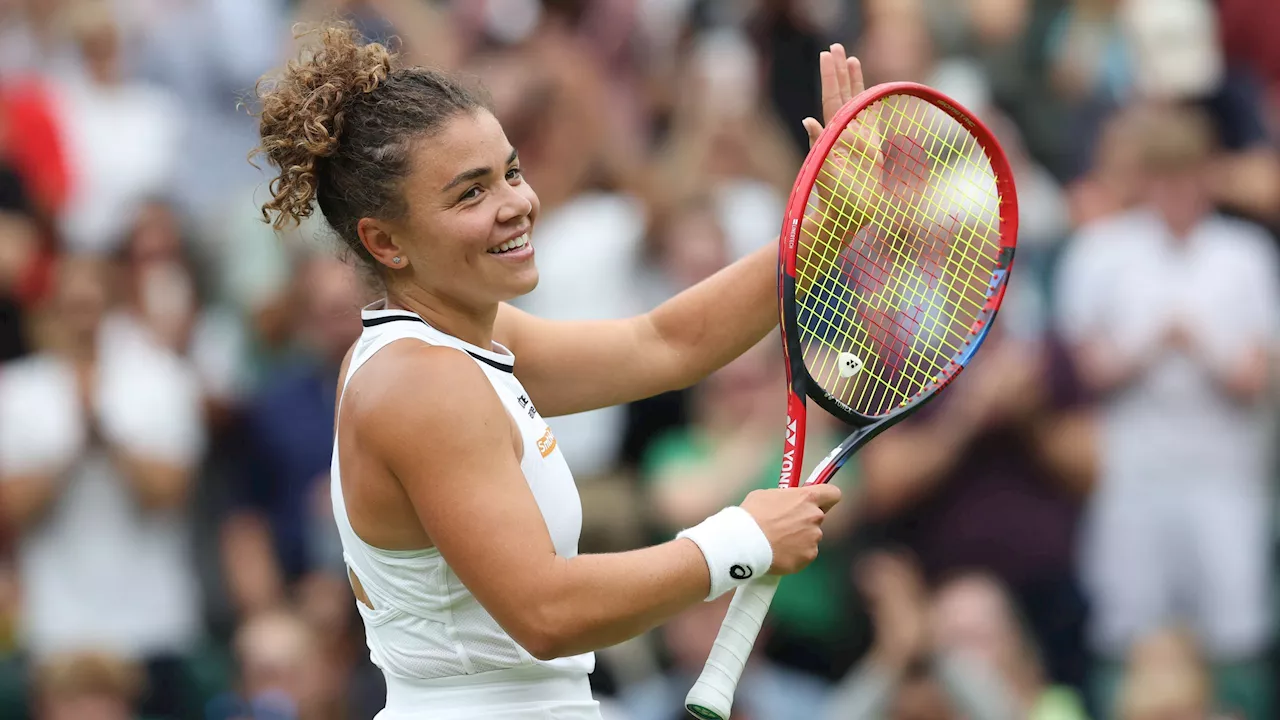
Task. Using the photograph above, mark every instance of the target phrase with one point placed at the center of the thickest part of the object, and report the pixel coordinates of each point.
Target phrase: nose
(515, 205)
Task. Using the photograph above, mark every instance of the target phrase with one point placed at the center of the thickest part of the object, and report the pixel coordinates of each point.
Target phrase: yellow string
(890, 239)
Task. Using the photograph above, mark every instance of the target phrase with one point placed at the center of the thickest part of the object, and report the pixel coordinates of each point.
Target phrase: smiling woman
(458, 515)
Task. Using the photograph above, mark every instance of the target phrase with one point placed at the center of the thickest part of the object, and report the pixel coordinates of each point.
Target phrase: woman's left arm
(571, 367)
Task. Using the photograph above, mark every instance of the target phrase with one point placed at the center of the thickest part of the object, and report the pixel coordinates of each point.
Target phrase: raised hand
(841, 82)
(849, 179)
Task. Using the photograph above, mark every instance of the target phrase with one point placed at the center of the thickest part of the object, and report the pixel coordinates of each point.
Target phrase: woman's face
(467, 233)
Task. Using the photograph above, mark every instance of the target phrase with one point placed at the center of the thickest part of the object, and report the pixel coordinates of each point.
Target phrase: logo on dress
(546, 443)
(524, 403)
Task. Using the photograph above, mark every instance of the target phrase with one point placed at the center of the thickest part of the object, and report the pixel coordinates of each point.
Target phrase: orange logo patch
(546, 443)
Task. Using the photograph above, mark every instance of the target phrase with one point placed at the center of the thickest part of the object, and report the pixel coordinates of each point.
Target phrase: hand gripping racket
(895, 252)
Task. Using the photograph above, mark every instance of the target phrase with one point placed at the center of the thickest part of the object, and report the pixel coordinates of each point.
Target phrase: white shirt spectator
(1125, 281)
(1178, 525)
(98, 572)
(123, 143)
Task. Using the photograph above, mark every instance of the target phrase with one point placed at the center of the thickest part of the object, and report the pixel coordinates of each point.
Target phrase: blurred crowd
(1082, 527)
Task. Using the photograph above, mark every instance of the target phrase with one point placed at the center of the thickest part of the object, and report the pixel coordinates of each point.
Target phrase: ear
(381, 242)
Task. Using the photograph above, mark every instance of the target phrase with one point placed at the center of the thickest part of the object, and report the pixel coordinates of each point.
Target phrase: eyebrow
(475, 173)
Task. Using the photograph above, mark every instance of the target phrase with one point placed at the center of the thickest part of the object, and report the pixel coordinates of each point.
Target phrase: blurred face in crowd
(278, 655)
(692, 245)
(971, 615)
(86, 686)
(98, 35)
(745, 390)
(897, 48)
(157, 234)
(467, 236)
(19, 240)
(332, 298)
(161, 286)
(80, 299)
(1180, 195)
(86, 706)
(1176, 147)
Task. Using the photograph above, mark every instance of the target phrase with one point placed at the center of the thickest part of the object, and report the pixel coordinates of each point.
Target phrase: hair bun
(302, 110)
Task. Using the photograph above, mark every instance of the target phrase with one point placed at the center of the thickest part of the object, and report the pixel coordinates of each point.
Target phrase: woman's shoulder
(423, 382)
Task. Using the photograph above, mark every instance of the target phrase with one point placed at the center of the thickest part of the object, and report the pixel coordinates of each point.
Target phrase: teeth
(512, 244)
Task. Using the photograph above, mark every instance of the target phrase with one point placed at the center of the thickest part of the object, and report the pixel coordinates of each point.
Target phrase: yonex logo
(739, 572)
(788, 463)
(791, 433)
(848, 364)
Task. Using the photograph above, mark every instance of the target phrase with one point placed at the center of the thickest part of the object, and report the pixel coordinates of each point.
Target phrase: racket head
(897, 244)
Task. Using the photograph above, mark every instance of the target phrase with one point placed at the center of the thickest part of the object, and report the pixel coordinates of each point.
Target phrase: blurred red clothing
(31, 141)
(1249, 32)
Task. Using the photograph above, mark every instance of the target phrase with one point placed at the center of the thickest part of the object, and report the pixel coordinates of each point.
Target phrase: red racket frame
(800, 383)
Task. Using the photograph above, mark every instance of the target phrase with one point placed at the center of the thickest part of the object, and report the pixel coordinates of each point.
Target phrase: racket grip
(711, 697)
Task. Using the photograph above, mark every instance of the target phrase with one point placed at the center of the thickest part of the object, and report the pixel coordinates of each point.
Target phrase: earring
(396, 259)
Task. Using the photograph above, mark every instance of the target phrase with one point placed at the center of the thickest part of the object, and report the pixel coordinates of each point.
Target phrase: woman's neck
(469, 324)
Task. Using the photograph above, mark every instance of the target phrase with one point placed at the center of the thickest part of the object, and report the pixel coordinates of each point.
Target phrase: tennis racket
(896, 249)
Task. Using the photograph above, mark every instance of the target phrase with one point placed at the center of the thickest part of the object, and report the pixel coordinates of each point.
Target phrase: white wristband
(734, 546)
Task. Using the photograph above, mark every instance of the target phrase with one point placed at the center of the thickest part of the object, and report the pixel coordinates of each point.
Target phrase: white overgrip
(711, 697)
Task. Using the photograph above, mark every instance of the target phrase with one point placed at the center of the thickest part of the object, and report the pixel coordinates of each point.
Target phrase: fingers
(841, 81)
(856, 83)
(831, 101)
(824, 495)
(813, 128)
(841, 62)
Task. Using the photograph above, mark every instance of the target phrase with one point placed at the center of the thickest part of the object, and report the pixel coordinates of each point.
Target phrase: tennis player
(458, 515)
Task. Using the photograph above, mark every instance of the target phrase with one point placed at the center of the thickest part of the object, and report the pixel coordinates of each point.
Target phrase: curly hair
(339, 124)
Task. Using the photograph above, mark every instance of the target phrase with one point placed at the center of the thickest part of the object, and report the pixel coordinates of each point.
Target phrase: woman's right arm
(449, 441)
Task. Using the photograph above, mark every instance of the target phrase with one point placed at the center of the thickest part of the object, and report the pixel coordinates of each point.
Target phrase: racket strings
(897, 332)
(897, 328)
(902, 247)
(896, 284)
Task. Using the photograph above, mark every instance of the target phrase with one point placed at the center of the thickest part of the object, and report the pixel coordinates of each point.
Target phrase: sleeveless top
(424, 624)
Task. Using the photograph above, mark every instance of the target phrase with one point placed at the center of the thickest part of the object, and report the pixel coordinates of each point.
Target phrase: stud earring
(396, 259)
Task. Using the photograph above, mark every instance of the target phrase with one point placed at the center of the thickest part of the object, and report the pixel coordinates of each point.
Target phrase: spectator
(204, 56)
(279, 672)
(723, 139)
(974, 617)
(32, 39)
(906, 675)
(86, 686)
(991, 475)
(1170, 310)
(97, 443)
(281, 527)
(121, 136)
(166, 306)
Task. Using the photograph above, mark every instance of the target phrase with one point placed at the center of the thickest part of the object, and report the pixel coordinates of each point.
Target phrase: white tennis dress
(443, 654)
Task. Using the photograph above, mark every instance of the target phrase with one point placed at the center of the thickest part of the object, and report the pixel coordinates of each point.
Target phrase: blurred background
(1083, 527)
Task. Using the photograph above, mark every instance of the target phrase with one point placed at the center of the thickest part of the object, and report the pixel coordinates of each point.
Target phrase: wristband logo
(739, 572)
